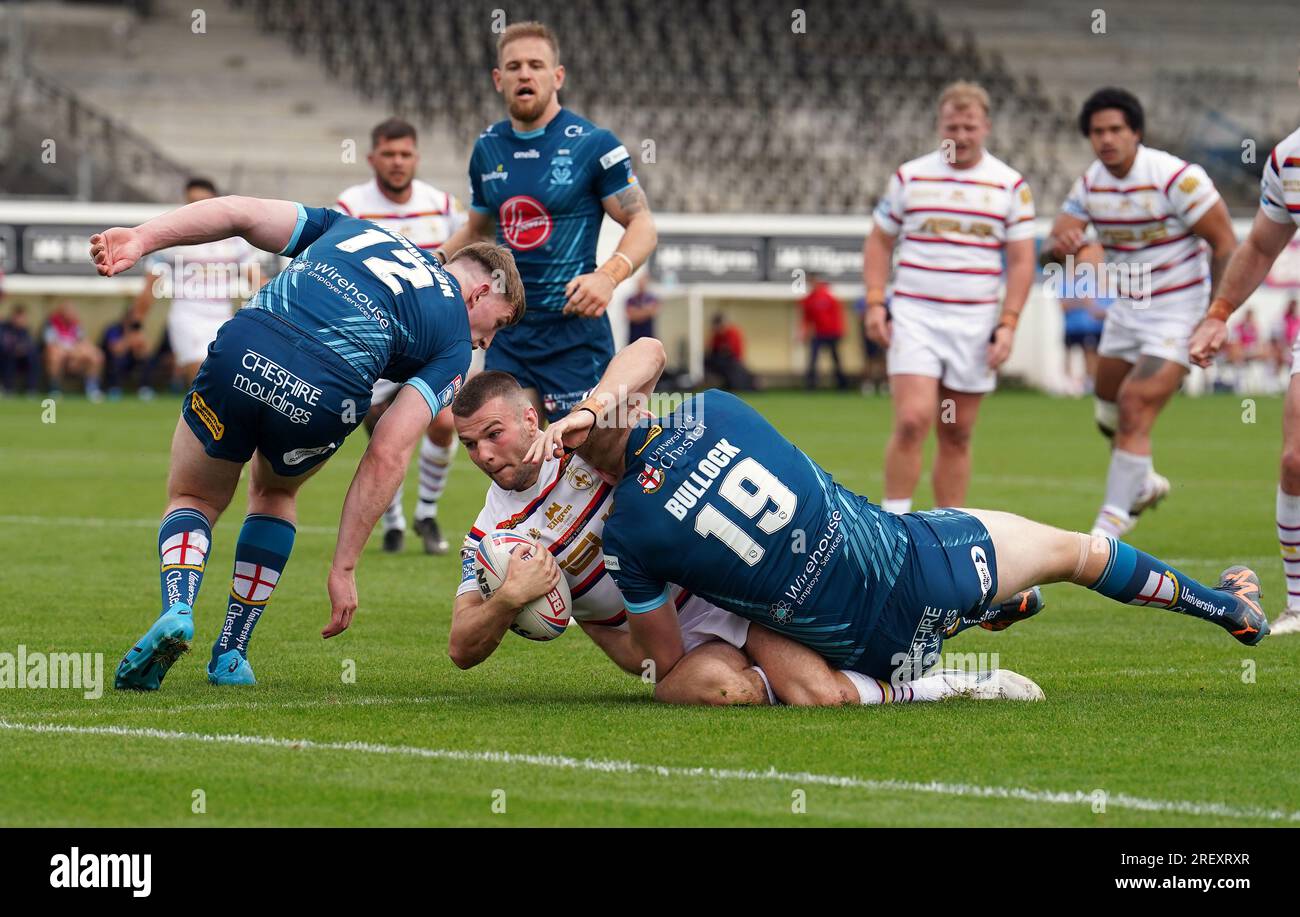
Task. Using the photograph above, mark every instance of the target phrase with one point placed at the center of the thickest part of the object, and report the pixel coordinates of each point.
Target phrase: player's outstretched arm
(616, 644)
(267, 224)
(877, 256)
(1216, 229)
(1246, 270)
(479, 624)
(658, 638)
(603, 418)
(378, 475)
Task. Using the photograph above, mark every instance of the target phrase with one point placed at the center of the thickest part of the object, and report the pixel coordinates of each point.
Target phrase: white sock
(1288, 538)
(873, 691)
(394, 518)
(897, 507)
(767, 686)
(1124, 482)
(435, 462)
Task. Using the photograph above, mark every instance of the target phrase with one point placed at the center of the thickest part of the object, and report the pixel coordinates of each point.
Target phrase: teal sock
(184, 537)
(1136, 578)
(260, 557)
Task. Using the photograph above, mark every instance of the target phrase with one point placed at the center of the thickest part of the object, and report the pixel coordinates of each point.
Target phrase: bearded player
(541, 182)
(395, 199)
(1274, 227)
(1162, 222)
(563, 507)
(712, 498)
(284, 383)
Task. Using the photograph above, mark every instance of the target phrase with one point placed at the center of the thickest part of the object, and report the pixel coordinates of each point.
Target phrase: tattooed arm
(589, 294)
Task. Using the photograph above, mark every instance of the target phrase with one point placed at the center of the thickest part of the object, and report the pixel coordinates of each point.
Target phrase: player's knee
(954, 435)
(1137, 411)
(911, 427)
(1291, 468)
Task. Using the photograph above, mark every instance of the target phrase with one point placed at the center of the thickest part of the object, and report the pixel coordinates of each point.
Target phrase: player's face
(497, 437)
(488, 314)
(394, 162)
(963, 131)
(1114, 142)
(528, 77)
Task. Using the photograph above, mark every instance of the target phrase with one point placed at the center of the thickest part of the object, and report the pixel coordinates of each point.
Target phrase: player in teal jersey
(711, 497)
(287, 379)
(541, 182)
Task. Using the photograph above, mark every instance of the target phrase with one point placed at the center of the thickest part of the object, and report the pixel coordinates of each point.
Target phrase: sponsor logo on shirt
(614, 156)
(277, 387)
(527, 154)
(525, 223)
(651, 479)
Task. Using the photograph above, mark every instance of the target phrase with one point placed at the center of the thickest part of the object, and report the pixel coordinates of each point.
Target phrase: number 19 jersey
(718, 501)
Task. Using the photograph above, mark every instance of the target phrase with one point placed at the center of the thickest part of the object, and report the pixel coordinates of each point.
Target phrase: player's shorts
(950, 575)
(562, 356)
(949, 344)
(702, 622)
(1088, 340)
(267, 387)
(191, 327)
(1162, 331)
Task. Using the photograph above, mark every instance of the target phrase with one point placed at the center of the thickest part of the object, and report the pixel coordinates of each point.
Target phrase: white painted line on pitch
(372, 701)
(605, 766)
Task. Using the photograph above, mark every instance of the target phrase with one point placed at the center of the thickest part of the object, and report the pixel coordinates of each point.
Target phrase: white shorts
(1155, 332)
(384, 390)
(951, 345)
(702, 622)
(191, 327)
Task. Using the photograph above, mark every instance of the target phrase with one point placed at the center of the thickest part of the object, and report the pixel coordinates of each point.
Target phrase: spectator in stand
(18, 349)
(726, 356)
(1245, 346)
(1285, 335)
(126, 351)
(67, 352)
(874, 373)
(823, 327)
(642, 307)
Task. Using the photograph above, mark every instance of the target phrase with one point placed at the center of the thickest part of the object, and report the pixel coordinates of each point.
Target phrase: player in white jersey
(395, 199)
(563, 505)
(203, 283)
(950, 217)
(1275, 225)
(1153, 215)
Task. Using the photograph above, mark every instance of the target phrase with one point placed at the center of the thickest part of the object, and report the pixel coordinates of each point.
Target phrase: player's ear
(496, 78)
(559, 77)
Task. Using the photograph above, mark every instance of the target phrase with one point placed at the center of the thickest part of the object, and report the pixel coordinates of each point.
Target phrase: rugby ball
(543, 618)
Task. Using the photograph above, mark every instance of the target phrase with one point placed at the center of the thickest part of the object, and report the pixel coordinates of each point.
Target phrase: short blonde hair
(498, 262)
(963, 94)
(529, 29)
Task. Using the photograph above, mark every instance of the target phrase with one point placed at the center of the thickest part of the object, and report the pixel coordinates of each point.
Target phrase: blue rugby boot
(231, 668)
(146, 663)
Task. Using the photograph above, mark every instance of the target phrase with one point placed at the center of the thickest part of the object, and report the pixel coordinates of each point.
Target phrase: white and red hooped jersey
(952, 225)
(428, 219)
(1280, 184)
(1146, 219)
(565, 510)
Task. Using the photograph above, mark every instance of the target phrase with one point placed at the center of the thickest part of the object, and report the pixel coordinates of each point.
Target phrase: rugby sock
(435, 462)
(874, 691)
(1288, 539)
(263, 549)
(767, 686)
(1134, 577)
(1124, 482)
(897, 507)
(394, 517)
(184, 537)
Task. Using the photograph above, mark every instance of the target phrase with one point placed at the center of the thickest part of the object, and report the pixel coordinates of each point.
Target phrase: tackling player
(541, 182)
(287, 379)
(1274, 227)
(952, 215)
(563, 507)
(713, 498)
(1153, 214)
(203, 288)
(395, 199)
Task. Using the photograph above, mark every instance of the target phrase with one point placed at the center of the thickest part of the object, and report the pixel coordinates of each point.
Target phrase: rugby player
(204, 282)
(395, 199)
(563, 506)
(287, 379)
(952, 215)
(1274, 227)
(541, 182)
(1154, 215)
(712, 498)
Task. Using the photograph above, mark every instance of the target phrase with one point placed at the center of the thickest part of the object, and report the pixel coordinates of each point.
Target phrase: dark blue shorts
(949, 577)
(267, 387)
(562, 356)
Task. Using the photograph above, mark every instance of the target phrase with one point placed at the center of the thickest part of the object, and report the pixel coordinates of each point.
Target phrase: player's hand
(1068, 242)
(566, 433)
(1000, 346)
(878, 324)
(528, 577)
(343, 601)
(1207, 339)
(115, 250)
(588, 295)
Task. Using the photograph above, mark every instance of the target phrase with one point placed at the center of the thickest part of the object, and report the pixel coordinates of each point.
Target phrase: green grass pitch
(1150, 718)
